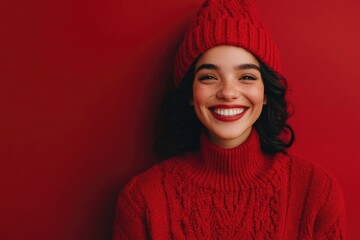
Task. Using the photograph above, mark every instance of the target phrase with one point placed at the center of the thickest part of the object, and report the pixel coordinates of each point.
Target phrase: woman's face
(228, 94)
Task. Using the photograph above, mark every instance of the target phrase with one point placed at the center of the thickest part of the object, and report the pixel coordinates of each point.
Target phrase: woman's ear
(265, 100)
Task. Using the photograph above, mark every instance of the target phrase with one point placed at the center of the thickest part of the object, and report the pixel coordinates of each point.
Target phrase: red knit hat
(225, 22)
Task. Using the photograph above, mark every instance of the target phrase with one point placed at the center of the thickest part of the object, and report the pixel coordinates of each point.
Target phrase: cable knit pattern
(236, 193)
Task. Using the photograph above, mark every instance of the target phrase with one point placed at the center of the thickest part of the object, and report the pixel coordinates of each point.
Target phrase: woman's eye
(248, 77)
(207, 77)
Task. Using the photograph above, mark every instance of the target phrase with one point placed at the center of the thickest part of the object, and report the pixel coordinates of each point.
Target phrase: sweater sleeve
(330, 223)
(130, 220)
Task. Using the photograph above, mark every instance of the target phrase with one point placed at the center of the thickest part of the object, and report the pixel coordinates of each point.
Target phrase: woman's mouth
(228, 113)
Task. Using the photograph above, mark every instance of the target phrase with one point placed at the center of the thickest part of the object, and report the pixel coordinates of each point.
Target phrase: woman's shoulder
(150, 181)
(143, 193)
(320, 194)
(308, 168)
(314, 179)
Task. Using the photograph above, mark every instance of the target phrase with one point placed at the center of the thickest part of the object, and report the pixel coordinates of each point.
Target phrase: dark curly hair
(181, 127)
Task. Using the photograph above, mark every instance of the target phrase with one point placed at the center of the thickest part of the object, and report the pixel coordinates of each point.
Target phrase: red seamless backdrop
(80, 86)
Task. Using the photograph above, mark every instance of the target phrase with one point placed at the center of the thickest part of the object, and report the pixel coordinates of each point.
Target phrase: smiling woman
(228, 94)
(229, 174)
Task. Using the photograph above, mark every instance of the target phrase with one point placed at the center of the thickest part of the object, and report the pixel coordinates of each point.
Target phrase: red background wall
(80, 86)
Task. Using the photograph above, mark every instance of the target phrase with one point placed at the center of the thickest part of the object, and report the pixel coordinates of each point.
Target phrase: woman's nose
(228, 91)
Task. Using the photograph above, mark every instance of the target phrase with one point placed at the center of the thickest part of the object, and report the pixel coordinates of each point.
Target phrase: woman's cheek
(256, 95)
(201, 94)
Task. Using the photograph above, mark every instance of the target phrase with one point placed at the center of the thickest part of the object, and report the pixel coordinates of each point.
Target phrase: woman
(230, 176)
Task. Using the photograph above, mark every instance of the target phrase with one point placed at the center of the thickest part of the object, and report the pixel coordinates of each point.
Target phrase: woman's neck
(229, 169)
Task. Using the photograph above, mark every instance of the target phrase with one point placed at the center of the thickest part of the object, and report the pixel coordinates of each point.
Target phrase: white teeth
(228, 112)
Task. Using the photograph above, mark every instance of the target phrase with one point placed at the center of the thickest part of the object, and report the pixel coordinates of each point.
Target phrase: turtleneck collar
(229, 169)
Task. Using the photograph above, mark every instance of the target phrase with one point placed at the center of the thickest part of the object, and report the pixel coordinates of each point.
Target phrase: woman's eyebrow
(207, 66)
(239, 67)
(248, 66)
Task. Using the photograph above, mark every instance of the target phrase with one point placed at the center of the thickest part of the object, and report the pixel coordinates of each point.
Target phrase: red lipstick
(222, 113)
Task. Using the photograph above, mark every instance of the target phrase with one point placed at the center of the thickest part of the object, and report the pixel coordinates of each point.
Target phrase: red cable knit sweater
(236, 193)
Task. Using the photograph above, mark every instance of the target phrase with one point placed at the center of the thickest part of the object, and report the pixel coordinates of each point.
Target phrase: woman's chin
(229, 138)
